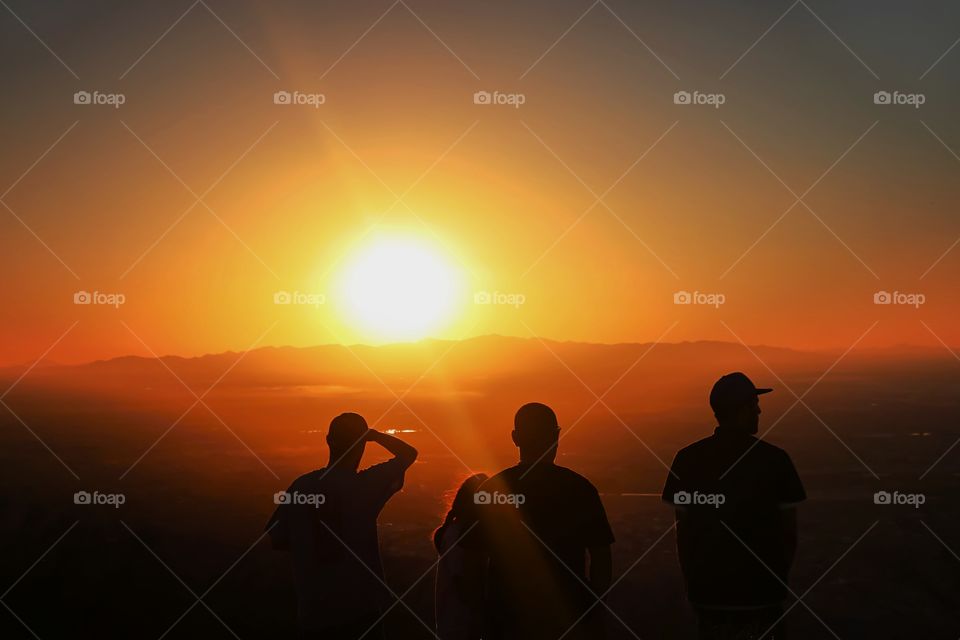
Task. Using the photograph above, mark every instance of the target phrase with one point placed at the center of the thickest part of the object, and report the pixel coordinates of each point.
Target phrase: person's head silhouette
(736, 403)
(536, 432)
(347, 439)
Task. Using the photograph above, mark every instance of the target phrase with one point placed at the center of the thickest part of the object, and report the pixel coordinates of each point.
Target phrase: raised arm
(401, 450)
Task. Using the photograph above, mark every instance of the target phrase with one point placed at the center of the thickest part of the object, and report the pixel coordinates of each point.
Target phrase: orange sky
(695, 200)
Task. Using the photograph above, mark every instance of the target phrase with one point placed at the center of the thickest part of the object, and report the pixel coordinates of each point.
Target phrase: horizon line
(420, 341)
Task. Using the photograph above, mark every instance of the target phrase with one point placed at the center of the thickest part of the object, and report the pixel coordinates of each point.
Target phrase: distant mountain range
(475, 363)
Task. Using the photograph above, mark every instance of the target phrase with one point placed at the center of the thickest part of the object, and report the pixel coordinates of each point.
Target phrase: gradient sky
(99, 198)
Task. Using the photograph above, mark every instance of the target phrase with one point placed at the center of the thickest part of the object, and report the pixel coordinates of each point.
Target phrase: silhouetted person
(328, 520)
(458, 608)
(735, 497)
(538, 525)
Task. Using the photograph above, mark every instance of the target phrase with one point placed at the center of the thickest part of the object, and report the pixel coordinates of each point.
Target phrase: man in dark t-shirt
(735, 497)
(537, 525)
(327, 520)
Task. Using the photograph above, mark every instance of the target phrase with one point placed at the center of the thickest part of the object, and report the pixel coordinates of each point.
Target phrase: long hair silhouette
(461, 507)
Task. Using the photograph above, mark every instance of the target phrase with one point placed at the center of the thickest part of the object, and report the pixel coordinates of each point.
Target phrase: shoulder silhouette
(537, 525)
(734, 495)
(327, 520)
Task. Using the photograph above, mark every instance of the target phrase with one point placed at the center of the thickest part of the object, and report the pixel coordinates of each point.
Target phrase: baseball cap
(733, 390)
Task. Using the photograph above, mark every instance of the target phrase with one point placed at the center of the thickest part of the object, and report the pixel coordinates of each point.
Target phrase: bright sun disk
(399, 288)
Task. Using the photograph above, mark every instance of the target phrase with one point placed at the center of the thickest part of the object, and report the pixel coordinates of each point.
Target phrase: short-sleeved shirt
(733, 488)
(334, 543)
(536, 525)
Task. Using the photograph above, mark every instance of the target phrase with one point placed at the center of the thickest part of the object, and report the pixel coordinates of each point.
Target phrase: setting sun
(399, 288)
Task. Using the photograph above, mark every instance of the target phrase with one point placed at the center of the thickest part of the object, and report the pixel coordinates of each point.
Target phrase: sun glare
(399, 288)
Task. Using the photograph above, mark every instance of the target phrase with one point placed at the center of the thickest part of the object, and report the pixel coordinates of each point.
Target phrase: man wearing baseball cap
(735, 497)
